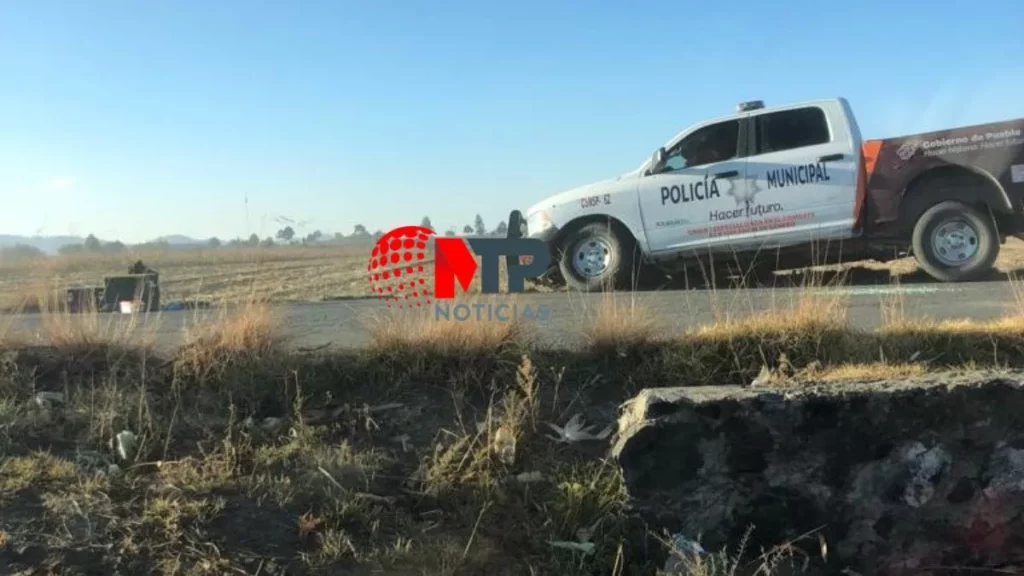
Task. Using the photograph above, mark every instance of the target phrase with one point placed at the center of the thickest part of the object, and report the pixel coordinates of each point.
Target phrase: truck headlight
(537, 222)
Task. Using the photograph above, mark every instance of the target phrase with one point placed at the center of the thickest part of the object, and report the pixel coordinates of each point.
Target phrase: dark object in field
(141, 284)
(142, 288)
(140, 268)
(83, 298)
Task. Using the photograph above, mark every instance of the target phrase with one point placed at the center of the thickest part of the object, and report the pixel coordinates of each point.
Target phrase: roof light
(748, 106)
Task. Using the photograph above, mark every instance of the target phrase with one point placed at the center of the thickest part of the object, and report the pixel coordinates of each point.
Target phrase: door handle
(830, 158)
(727, 174)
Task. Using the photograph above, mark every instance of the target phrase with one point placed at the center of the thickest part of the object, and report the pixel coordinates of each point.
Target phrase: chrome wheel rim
(591, 257)
(954, 242)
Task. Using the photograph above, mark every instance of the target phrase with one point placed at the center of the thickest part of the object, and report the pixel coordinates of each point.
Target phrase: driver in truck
(701, 153)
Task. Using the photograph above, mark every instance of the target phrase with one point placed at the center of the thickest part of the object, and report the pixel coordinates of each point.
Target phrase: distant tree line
(21, 252)
(285, 236)
(92, 245)
(478, 228)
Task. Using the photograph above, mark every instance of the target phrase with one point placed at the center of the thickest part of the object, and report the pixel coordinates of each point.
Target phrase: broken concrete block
(926, 472)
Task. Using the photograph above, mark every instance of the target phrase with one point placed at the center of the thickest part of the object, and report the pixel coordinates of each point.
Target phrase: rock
(683, 549)
(274, 424)
(125, 444)
(50, 400)
(891, 474)
(92, 462)
(531, 477)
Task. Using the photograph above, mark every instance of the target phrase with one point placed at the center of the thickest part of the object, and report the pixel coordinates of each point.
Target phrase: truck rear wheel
(594, 257)
(954, 242)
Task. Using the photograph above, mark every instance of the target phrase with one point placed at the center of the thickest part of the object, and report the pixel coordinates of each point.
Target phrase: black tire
(931, 261)
(601, 236)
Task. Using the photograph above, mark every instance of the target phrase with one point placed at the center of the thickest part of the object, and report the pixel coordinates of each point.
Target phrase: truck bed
(892, 167)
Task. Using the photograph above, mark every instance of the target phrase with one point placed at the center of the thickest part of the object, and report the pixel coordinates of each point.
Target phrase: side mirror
(657, 159)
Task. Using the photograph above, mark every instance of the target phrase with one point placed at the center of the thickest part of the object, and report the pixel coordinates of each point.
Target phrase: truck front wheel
(594, 257)
(954, 242)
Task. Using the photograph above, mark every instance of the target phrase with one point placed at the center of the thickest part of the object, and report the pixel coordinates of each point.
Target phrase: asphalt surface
(560, 317)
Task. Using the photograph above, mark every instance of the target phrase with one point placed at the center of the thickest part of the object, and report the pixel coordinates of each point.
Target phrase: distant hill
(48, 244)
(178, 240)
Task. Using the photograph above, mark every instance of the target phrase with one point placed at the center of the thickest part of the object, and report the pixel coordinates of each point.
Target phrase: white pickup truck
(782, 182)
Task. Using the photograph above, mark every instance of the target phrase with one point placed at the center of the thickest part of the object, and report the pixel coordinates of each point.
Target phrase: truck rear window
(790, 129)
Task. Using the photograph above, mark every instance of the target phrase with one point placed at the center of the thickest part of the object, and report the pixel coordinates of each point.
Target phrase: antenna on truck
(751, 105)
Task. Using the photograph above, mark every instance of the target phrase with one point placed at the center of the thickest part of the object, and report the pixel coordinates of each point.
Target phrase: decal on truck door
(746, 208)
(797, 175)
(748, 211)
(695, 191)
(747, 226)
(748, 216)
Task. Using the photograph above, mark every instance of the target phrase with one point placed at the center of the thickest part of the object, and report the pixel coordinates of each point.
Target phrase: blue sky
(132, 120)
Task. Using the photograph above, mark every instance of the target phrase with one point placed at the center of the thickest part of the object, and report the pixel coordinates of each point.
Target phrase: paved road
(347, 323)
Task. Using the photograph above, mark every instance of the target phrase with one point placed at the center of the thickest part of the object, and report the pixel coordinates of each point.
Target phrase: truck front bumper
(517, 228)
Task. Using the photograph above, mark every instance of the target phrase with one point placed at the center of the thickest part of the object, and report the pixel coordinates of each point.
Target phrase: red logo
(398, 274)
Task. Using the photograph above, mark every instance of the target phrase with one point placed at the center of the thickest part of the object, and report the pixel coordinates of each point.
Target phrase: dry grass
(733, 349)
(232, 448)
(810, 314)
(785, 558)
(252, 326)
(432, 451)
(619, 324)
(429, 330)
(243, 335)
(865, 372)
(463, 354)
(84, 331)
(805, 337)
(1010, 262)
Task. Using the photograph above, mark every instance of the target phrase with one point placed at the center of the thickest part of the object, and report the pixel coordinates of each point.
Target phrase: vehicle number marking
(591, 201)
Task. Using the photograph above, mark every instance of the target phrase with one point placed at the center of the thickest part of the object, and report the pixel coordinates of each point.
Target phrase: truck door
(801, 175)
(700, 178)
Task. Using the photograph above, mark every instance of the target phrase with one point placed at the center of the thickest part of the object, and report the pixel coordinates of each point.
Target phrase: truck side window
(789, 129)
(712, 143)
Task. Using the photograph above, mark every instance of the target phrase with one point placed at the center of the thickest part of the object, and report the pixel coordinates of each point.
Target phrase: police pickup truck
(795, 184)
